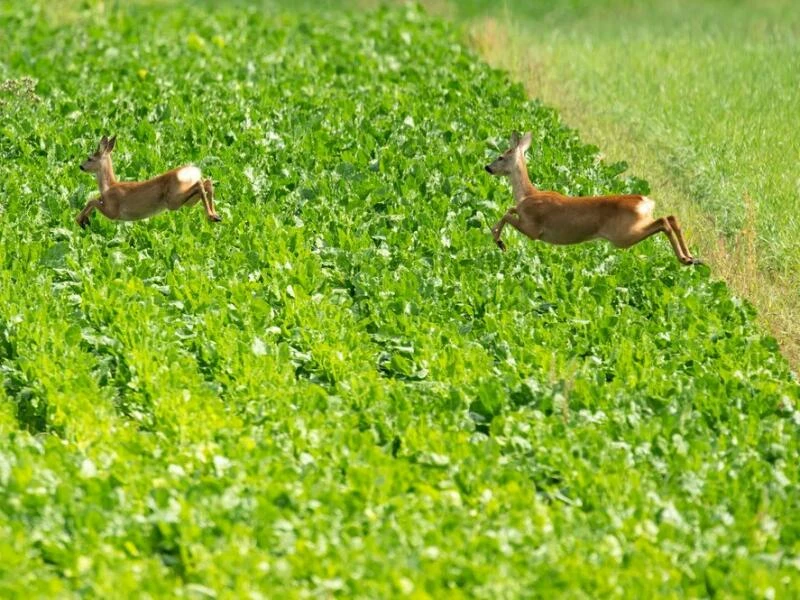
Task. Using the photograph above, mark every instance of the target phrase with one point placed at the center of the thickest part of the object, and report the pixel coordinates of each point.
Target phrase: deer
(623, 220)
(135, 200)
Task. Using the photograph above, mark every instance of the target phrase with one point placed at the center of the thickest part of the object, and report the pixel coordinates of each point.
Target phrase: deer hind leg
(188, 197)
(207, 192)
(661, 225)
(512, 218)
(673, 223)
(198, 191)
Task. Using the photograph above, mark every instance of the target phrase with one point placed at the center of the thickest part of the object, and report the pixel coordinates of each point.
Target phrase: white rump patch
(646, 206)
(189, 175)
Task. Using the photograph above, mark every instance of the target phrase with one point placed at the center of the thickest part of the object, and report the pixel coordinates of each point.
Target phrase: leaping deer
(134, 200)
(623, 220)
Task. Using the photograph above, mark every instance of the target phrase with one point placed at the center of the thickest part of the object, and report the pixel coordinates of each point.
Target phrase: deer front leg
(83, 217)
(511, 217)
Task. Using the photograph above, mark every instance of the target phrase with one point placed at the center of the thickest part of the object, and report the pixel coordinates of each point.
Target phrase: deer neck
(105, 176)
(521, 185)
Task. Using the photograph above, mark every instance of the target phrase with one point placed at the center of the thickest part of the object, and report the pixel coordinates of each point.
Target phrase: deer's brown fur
(134, 200)
(623, 220)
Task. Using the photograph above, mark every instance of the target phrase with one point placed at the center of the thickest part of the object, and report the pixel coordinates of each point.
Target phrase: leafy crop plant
(343, 388)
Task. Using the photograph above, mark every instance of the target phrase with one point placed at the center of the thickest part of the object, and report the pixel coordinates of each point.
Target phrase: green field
(700, 97)
(344, 389)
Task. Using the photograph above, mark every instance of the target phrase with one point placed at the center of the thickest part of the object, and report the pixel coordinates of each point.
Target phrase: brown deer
(134, 200)
(623, 220)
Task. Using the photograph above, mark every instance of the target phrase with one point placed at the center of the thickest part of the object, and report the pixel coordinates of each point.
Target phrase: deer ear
(514, 139)
(111, 143)
(525, 142)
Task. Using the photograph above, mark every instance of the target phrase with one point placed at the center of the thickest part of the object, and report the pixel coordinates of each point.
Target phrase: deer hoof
(501, 244)
(215, 217)
(690, 260)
